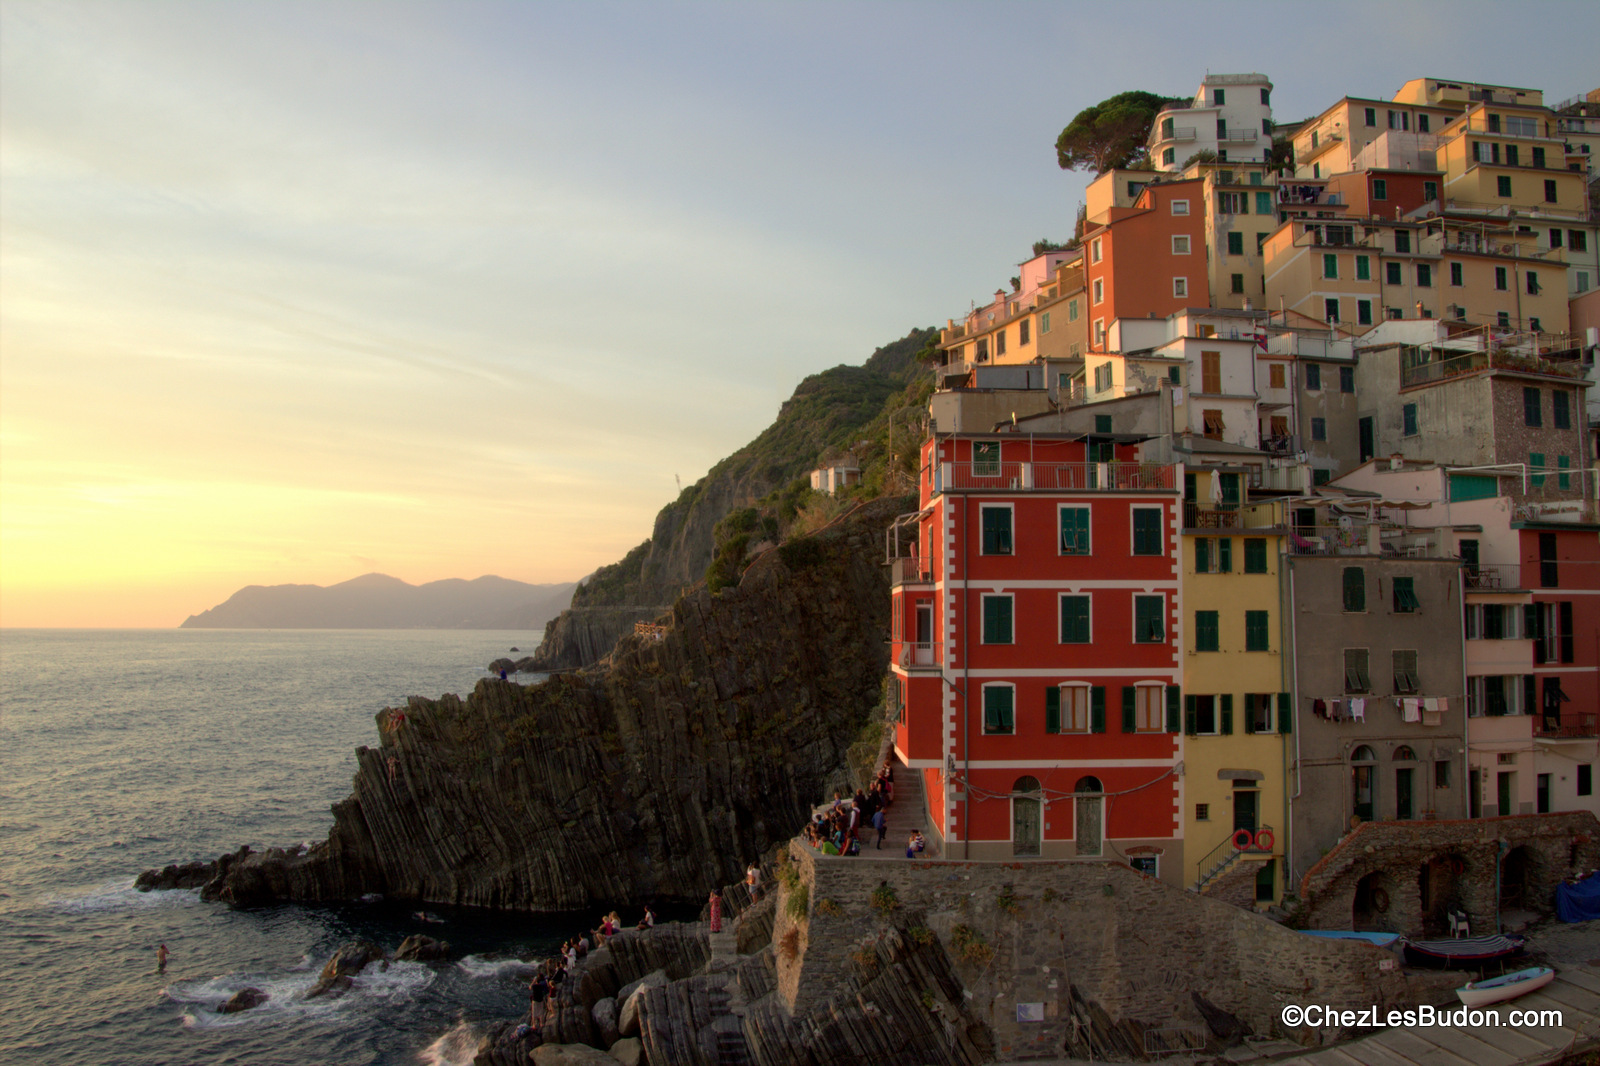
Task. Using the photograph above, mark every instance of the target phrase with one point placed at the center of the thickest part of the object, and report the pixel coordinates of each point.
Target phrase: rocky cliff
(656, 777)
(828, 410)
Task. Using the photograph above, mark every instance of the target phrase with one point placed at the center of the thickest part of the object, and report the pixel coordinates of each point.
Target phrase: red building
(1561, 564)
(1147, 260)
(1035, 644)
(1388, 194)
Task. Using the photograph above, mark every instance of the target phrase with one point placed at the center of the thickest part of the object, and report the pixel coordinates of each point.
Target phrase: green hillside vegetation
(845, 408)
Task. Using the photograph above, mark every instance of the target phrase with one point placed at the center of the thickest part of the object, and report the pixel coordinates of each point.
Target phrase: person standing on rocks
(716, 913)
(538, 992)
(881, 824)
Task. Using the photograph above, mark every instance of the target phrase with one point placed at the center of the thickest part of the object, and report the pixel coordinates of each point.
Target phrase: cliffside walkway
(908, 811)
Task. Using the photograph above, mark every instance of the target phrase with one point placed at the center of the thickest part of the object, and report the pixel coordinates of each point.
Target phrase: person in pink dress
(716, 913)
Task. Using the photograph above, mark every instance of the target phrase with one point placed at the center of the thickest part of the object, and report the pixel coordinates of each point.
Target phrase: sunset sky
(294, 292)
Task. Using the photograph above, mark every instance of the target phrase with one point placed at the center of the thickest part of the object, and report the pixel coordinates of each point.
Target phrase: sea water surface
(122, 750)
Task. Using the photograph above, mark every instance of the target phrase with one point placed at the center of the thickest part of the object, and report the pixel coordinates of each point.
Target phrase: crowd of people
(554, 979)
(840, 827)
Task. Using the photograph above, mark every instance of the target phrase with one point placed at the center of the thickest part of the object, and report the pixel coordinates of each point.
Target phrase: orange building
(1148, 259)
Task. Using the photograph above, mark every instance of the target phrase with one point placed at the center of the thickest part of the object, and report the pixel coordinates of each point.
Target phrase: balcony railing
(1489, 578)
(910, 570)
(1439, 369)
(1053, 477)
(914, 653)
(1197, 515)
(1577, 724)
(1364, 538)
(1237, 136)
(1178, 133)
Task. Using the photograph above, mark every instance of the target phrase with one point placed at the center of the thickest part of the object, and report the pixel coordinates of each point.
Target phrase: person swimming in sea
(161, 959)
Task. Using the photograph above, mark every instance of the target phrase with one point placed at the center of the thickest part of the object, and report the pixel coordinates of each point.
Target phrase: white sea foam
(122, 896)
(458, 1046)
(286, 995)
(479, 966)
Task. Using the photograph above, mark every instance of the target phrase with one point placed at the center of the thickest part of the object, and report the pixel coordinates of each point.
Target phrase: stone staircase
(726, 999)
(909, 811)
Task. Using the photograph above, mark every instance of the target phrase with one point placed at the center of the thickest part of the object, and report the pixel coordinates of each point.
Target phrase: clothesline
(1354, 708)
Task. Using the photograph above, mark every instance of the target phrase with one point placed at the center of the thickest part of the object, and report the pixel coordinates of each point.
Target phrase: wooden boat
(1507, 986)
(1468, 951)
(1382, 940)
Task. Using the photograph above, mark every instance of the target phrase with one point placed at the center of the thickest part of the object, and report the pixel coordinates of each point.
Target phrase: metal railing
(910, 570)
(1498, 359)
(1211, 866)
(1238, 136)
(1492, 577)
(1198, 515)
(1178, 133)
(1053, 477)
(1577, 724)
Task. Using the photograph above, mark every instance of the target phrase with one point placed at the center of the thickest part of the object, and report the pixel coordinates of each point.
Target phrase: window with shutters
(1408, 420)
(1258, 712)
(1330, 265)
(1206, 631)
(986, 458)
(1149, 708)
(1275, 377)
(1405, 596)
(1213, 556)
(1405, 672)
(1356, 679)
(1024, 332)
(1255, 555)
(1355, 589)
(1205, 721)
(1255, 631)
(1149, 619)
(1075, 627)
(996, 522)
(1074, 531)
(1212, 420)
(1560, 413)
(1072, 701)
(1210, 371)
(1532, 410)
(1313, 377)
(997, 620)
(999, 708)
(1236, 243)
(1363, 268)
(1147, 531)
(1347, 380)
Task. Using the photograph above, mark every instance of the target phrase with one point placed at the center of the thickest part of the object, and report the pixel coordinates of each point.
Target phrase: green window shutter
(1255, 555)
(1355, 588)
(1128, 724)
(1052, 709)
(1264, 204)
(1191, 715)
(1564, 619)
(1097, 709)
(1255, 631)
(1224, 555)
(1174, 710)
(1227, 714)
(1536, 469)
(1250, 712)
(1202, 555)
(1075, 619)
(1285, 713)
(1206, 635)
(997, 620)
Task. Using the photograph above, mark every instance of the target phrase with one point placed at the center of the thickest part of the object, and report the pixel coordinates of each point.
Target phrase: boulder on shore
(629, 997)
(629, 1051)
(605, 1021)
(419, 948)
(243, 999)
(570, 1055)
(345, 964)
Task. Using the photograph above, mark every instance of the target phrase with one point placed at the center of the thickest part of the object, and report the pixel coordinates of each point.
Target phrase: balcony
(1175, 135)
(917, 653)
(1053, 477)
(1440, 369)
(910, 570)
(1237, 137)
(1576, 725)
(1370, 538)
(1198, 515)
(1493, 578)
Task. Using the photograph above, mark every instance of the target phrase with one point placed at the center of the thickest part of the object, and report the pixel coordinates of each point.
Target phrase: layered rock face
(657, 777)
(580, 636)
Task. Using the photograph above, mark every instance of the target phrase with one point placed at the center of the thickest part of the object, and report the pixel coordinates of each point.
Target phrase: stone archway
(1369, 909)
(1440, 889)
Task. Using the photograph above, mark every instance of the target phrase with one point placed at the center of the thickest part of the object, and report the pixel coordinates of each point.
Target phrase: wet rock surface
(419, 948)
(244, 999)
(346, 963)
(656, 777)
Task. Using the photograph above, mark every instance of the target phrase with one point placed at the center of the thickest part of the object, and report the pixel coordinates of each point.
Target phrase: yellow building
(1237, 715)
(1508, 157)
(1326, 269)
(1042, 320)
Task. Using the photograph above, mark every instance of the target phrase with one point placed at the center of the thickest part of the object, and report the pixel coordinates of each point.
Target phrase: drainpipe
(1500, 856)
(966, 684)
(1466, 720)
(1294, 712)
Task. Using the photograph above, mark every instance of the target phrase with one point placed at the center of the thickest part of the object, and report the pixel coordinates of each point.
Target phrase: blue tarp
(1579, 902)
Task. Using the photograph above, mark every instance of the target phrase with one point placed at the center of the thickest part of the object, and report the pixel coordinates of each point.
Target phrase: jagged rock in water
(345, 964)
(243, 999)
(419, 948)
(509, 1043)
(628, 1015)
(657, 777)
(189, 875)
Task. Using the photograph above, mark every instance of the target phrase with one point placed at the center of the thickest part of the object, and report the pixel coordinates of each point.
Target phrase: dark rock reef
(656, 777)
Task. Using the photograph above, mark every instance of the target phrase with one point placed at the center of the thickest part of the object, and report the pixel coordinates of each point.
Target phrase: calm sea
(126, 749)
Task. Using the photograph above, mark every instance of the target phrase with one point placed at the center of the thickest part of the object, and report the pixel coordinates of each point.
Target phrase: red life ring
(1264, 840)
(1242, 839)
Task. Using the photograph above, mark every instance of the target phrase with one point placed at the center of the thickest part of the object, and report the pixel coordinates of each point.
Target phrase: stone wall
(1100, 952)
(1427, 868)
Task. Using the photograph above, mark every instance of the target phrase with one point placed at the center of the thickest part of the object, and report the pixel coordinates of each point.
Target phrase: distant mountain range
(378, 601)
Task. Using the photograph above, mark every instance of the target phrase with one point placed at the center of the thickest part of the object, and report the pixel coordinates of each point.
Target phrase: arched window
(1404, 754)
(1088, 784)
(1363, 754)
(1025, 784)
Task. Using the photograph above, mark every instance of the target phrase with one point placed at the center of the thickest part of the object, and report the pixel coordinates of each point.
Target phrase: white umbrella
(1216, 488)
